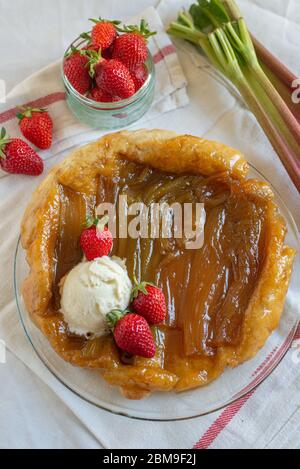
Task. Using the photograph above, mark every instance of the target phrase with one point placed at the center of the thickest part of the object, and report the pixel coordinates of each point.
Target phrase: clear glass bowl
(111, 115)
(232, 385)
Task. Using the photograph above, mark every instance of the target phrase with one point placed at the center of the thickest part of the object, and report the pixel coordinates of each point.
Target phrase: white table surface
(34, 33)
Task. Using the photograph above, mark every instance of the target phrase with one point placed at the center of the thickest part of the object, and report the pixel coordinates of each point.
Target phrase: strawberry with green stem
(131, 48)
(103, 33)
(132, 333)
(149, 301)
(111, 76)
(17, 157)
(36, 125)
(96, 239)
(76, 70)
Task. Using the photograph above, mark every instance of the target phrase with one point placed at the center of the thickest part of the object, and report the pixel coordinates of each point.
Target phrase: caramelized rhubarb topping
(74, 208)
(224, 275)
(208, 289)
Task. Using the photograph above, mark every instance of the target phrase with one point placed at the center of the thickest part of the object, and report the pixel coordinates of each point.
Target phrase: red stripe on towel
(297, 335)
(221, 423)
(167, 50)
(230, 412)
(40, 102)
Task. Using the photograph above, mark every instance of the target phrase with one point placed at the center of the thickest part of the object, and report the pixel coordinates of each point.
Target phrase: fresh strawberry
(36, 125)
(77, 72)
(114, 78)
(139, 76)
(149, 301)
(17, 157)
(96, 240)
(132, 334)
(102, 96)
(106, 53)
(111, 76)
(131, 48)
(103, 33)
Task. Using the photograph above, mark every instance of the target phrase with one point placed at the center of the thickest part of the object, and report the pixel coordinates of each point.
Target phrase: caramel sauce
(207, 290)
(74, 208)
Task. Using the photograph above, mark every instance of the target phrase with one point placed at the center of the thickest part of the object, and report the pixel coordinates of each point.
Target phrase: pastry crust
(164, 151)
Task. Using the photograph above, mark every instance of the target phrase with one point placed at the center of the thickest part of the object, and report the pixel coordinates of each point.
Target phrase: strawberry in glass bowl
(109, 74)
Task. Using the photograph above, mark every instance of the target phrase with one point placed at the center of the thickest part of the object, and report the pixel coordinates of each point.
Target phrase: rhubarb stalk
(218, 27)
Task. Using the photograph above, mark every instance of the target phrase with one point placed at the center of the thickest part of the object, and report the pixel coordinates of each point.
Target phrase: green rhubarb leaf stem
(225, 55)
(283, 114)
(232, 9)
(188, 32)
(273, 65)
(186, 20)
(242, 42)
(283, 89)
(230, 49)
(286, 153)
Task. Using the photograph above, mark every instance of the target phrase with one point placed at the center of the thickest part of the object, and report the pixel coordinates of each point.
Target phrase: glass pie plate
(232, 385)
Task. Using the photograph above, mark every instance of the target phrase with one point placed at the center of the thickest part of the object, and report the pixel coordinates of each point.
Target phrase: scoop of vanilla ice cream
(91, 290)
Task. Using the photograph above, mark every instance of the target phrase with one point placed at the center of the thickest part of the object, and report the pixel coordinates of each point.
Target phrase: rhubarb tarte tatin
(223, 299)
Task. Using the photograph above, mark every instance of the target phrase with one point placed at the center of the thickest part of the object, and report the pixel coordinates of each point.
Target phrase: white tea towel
(263, 418)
